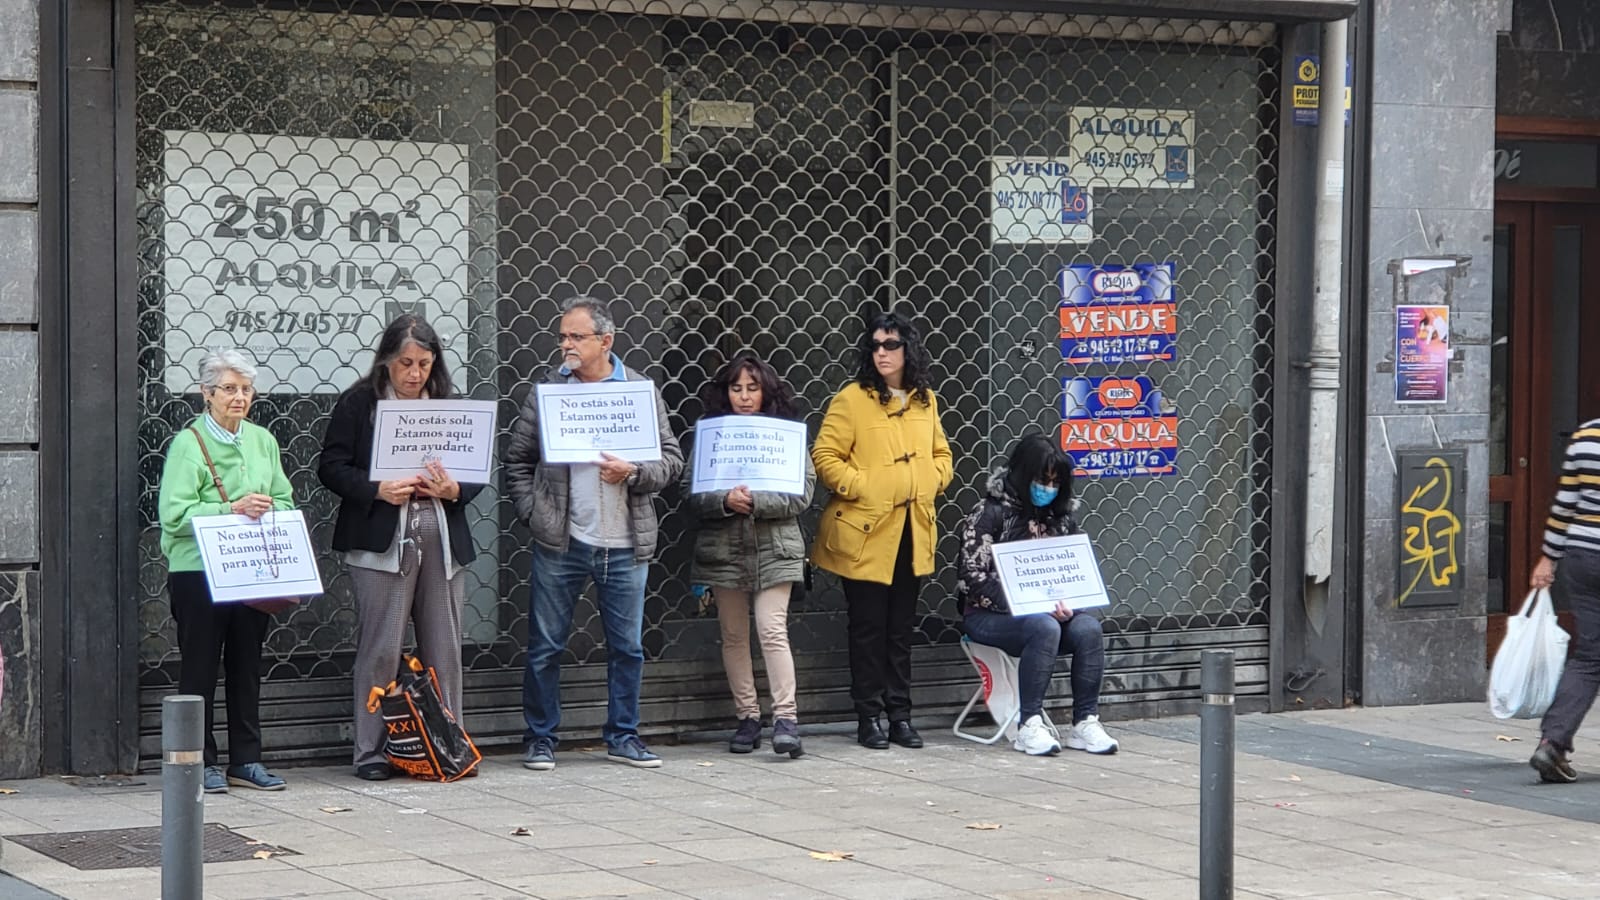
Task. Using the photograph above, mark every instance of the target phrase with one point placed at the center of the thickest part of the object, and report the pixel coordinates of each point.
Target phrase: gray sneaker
(540, 755)
(631, 750)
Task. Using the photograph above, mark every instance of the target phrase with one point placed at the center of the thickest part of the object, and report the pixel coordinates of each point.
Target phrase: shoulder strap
(216, 481)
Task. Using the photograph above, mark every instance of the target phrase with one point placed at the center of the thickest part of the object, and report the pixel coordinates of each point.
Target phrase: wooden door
(1543, 384)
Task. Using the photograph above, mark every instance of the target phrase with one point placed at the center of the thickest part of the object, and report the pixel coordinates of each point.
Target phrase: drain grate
(129, 848)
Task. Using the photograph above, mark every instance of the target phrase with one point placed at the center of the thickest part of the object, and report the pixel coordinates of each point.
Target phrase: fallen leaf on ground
(336, 809)
(832, 855)
(1294, 777)
(264, 854)
(984, 826)
(1506, 737)
(519, 831)
(651, 862)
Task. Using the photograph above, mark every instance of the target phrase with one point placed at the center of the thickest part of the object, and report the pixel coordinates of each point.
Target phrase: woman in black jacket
(1032, 498)
(405, 540)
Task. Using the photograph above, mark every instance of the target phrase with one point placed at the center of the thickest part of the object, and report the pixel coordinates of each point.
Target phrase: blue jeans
(558, 580)
(1036, 641)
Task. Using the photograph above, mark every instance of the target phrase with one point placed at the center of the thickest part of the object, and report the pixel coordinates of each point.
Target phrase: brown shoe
(1552, 765)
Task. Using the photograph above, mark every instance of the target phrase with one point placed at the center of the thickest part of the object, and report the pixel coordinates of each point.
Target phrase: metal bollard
(183, 809)
(1216, 775)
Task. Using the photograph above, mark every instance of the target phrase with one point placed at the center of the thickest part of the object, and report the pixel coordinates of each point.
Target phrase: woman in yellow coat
(883, 455)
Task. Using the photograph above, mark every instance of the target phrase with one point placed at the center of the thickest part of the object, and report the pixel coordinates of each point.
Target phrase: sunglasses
(890, 345)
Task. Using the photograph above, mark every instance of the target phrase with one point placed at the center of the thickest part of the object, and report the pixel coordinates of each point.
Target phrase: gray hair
(597, 310)
(219, 362)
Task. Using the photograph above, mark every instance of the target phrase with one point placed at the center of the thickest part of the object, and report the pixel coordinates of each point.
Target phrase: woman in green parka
(220, 464)
(750, 546)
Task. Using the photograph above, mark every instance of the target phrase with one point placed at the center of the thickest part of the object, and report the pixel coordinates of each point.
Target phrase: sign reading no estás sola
(1037, 574)
(759, 452)
(580, 421)
(257, 559)
(409, 434)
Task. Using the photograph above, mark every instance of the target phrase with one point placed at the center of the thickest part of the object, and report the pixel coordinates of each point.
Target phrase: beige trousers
(772, 626)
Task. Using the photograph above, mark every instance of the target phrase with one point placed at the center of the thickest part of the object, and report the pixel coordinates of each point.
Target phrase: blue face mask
(1042, 495)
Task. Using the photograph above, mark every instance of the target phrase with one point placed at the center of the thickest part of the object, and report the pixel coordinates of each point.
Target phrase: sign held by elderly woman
(407, 435)
(257, 559)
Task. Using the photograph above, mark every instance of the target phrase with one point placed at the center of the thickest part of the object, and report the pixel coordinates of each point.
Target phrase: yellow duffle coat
(877, 463)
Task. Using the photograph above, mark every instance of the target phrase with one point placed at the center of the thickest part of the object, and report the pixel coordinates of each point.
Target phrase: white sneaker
(1089, 735)
(1036, 740)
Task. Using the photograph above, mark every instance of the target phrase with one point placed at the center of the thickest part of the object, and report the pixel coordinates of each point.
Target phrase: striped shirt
(1575, 516)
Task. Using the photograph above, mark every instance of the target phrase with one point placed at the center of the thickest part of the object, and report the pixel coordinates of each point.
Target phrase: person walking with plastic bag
(1572, 541)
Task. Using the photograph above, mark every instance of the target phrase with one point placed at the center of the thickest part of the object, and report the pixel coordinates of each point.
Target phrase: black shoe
(786, 738)
(747, 737)
(374, 772)
(870, 735)
(1552, 765)
(903, 734)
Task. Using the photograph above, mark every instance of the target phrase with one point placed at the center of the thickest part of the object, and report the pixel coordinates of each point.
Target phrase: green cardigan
(254, 465)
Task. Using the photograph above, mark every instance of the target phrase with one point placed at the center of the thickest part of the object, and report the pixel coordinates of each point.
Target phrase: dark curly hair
(918, 378)
(777, 399)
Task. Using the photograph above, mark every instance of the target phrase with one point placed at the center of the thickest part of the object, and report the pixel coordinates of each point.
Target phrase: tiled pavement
(1421, 802)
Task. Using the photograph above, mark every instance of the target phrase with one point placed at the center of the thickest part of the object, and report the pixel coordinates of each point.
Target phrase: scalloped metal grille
(733, 175)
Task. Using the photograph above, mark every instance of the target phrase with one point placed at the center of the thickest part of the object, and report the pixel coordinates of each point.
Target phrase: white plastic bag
(1528, 665)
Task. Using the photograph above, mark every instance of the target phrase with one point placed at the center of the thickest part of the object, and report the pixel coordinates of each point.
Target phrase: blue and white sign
(1114, 147)
(1112, 314)
(1034, 200)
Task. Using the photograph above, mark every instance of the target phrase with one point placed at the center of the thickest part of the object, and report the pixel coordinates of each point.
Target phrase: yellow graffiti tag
(1431, 531)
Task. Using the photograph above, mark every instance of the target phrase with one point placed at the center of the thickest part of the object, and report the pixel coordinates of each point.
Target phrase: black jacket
(366, 522)
(998, 518)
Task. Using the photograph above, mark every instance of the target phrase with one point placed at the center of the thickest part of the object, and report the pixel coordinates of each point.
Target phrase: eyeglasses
(566, 336)
(235, 390)
(890, 345)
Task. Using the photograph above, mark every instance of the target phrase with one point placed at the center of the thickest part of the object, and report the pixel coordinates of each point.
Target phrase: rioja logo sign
(300, 250)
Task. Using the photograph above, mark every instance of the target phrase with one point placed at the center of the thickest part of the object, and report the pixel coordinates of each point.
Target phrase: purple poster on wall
(1421, 354)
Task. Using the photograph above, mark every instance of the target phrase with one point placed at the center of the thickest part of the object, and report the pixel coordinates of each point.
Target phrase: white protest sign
(761, 453)
(257, 559)
(580, 421)
(409, 434)
(1037, 574)
(1132, 148)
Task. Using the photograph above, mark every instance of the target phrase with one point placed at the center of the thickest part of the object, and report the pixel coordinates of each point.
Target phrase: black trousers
(880, 622)
(1580, 680)
(226, 636)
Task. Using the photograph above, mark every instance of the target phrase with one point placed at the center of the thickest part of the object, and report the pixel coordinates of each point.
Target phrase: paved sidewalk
(1421, 802)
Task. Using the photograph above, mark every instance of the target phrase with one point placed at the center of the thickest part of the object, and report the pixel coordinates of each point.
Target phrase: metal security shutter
(743, 175)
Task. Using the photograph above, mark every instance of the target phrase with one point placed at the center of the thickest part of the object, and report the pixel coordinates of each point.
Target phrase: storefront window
(730, 182)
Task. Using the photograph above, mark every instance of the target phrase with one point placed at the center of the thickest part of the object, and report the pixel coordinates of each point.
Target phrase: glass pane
(1546, 164)
(1500, 353)
(1499, 558)
(1566, 247)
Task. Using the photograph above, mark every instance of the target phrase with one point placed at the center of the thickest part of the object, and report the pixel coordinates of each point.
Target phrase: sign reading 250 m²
(302, 249)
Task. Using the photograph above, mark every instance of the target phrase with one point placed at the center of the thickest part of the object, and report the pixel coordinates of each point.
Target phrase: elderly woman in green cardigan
(221, 464)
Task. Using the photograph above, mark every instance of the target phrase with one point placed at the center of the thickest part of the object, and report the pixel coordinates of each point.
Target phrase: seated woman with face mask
(1032, 498)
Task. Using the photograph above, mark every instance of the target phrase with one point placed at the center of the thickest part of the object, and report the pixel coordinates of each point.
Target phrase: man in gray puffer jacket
(589, 521)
